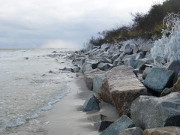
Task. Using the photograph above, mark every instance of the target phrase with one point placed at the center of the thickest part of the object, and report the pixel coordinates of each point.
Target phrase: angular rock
(104, 47)
(176, 86)
(174, 66)
(118, 126)
(145, 72)
(118, 61)
(162, 131)
(132, 131)
(98, 81)
(128, 49)
(94, 63)
(86, 67)
(89, 76)
(152, 112)
(140, 55)
(115, 56)
(159, 78)
(160, 61)
(122, 88)
(104, 66)
(91, 104)
(137, 64)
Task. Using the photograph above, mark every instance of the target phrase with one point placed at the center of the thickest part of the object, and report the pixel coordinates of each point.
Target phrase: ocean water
(30, 82)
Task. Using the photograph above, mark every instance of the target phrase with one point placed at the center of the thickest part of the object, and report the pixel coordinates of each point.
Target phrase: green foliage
(144, 25)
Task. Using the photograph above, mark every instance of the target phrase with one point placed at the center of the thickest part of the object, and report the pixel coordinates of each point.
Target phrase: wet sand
(67, 117)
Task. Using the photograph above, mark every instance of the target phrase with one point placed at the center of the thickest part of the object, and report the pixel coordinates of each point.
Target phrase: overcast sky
(62, 23)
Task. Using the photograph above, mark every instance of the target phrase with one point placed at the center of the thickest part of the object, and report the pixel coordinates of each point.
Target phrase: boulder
(89, 76)
(118, 61)
(174, 66)
(162, 131)
(146, 47)
(140, 55)
(94, 63)
(132, 131)
(98, 81)
(137, 64)
(128, 49)
(160, 61)
(159, 78)
(91, 104)
(121, 88)
(118, 126)
(115, 56)
(176, 86)
(145, 72)
(104, 47)
(152, 112)
(104, 66)
(86, 67)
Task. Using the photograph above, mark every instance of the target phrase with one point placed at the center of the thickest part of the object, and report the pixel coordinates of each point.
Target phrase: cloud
(33, 23)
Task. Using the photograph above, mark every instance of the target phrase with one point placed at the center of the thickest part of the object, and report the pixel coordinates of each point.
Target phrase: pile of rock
(146, 96)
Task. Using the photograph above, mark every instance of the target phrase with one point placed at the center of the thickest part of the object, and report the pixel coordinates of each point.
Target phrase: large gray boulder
(91, 104)
(159, 78)
(163, 131)
(89, 76)
(122, 88)
(98, 81)
(132, 131)
(118, 126)
(152, 112)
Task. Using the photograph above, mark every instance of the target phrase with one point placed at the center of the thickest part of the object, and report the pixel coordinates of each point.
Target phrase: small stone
(91, 104)
(118, 126)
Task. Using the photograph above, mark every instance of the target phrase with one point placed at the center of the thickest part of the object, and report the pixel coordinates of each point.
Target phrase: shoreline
(66, 117)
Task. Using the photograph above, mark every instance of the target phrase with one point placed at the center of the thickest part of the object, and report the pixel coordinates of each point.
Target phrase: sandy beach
(67, 117)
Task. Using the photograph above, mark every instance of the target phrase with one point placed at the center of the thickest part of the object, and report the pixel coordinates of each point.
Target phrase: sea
(31, 81)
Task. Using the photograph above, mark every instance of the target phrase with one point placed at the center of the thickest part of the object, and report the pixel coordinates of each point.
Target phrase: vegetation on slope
(145, 26)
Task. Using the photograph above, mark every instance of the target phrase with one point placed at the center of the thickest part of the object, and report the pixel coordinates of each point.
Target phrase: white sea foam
(168, 47)
(27, 87)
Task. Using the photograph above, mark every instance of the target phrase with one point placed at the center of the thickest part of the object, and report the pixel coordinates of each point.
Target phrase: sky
(62, 23)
